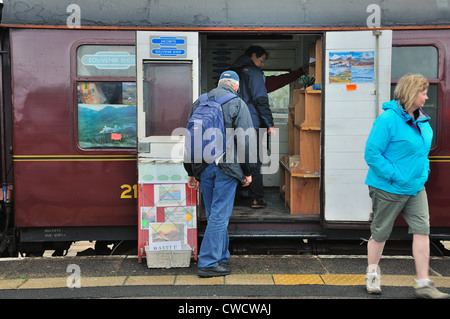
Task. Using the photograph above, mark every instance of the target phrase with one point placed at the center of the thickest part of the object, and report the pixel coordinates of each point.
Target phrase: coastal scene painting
(352, 67)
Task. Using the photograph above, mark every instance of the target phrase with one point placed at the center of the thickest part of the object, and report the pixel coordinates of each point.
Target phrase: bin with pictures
(167, 224)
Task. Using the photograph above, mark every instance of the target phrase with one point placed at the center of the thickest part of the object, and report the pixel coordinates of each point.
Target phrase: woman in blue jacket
(397, 154)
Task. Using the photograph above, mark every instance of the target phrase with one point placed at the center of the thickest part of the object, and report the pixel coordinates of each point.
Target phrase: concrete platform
(103, 271)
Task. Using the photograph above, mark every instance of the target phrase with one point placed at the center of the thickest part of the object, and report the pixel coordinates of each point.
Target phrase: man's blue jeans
(218, 190)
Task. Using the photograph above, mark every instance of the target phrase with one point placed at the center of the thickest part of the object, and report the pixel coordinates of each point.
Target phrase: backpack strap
(222, 100)
(203, 98)
(225, 98)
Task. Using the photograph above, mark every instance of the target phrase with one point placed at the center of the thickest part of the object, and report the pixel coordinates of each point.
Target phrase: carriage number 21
(129, 191)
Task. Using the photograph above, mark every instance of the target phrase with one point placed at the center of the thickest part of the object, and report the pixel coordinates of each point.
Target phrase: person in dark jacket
(220, 178)
(254, 93)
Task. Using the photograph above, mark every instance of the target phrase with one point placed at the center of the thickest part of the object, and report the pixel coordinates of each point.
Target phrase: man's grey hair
(230, 82)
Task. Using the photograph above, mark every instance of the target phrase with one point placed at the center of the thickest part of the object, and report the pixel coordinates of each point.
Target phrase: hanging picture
(148, 215)
(352, 67)
(185, 215)
(160, 232)
(170, 195)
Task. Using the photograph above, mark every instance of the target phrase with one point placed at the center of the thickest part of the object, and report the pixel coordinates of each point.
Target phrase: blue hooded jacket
(397, 151)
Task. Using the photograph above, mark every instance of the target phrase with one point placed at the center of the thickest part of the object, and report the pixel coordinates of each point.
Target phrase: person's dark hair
(259, 51)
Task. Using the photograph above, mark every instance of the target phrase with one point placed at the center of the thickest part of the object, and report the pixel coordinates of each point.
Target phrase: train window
(280, 97)
(106, 60)
(167, 96)
(106, 96)
(106, 114)
(424, 60)
(430, 108)
(279, 100)
(415, 59)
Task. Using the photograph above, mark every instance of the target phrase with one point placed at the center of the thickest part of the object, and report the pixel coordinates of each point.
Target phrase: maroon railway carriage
(67, 179)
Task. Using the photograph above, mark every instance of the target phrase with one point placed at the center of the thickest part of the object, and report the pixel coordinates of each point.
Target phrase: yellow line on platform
(230, 280)
(298, 280)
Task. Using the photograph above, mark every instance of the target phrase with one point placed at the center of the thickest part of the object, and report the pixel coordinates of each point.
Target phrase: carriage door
(167, 83)
(357, 81)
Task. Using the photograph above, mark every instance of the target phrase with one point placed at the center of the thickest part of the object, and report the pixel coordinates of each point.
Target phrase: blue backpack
(205, 132)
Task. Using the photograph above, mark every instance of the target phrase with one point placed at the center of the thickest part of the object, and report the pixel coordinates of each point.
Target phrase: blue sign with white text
(168, 41)
(168, 52)
(168, 47)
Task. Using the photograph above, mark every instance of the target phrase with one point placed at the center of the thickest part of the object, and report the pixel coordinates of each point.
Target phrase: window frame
(284, 111)
(76, 79)
(439, 82)
(148, 112)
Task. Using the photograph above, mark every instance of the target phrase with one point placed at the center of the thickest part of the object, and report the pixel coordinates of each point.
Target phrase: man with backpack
(219, 173)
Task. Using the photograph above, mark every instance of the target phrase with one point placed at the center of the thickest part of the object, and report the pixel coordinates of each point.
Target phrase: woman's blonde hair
(408, 87)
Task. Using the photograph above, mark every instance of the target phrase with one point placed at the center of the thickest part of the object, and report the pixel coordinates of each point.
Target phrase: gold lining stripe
(69, 158)
(442, 159)
(52, 158)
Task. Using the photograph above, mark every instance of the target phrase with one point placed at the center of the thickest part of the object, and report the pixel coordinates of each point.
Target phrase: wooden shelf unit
(300, 168)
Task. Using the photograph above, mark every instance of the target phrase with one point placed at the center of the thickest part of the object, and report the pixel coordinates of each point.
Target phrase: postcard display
(167, 208)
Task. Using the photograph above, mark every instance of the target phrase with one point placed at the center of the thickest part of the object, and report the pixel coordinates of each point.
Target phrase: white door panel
(350, 109)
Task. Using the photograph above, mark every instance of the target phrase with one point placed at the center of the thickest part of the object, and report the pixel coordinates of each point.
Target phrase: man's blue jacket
(252, 89)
